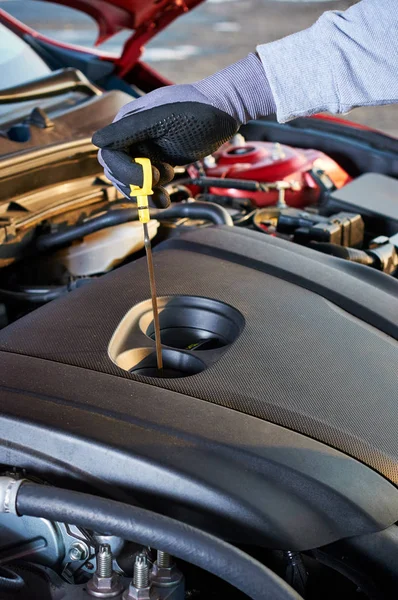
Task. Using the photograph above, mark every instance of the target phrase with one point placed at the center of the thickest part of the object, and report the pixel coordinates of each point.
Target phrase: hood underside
(145, 19)
(139, 15)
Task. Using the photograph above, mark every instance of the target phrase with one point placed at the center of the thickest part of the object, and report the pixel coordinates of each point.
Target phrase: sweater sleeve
(346, 59)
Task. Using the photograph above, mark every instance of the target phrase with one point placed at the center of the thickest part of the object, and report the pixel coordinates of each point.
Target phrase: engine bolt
(164, 573)
(104, 561)
(104, 583)
(141, 572)
(164, 560)
(78, 551)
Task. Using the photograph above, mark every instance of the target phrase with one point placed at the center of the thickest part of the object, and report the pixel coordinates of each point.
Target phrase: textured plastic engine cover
(317, 353)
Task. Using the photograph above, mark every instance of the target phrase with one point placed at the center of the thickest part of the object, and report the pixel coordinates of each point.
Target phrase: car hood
(145, 18)
(113, 16)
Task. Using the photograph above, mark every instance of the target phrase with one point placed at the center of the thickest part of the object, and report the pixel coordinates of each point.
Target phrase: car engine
(56, 237)
(263, 462)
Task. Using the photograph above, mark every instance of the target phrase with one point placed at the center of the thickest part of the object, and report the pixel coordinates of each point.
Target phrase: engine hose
(351, 254)
(193, 210)
(149, 529)
(34, 295)
(9, 580)
(250, 185)
(50, 241)
(197, 210)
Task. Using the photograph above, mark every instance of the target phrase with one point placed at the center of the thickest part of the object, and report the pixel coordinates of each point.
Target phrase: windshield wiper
(59, 82)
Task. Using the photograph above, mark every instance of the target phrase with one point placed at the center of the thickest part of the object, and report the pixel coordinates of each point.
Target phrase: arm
(345, 59)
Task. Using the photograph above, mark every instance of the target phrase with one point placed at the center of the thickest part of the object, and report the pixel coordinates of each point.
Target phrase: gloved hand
(179, 124)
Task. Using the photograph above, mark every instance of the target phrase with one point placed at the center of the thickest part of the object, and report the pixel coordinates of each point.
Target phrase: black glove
(165, 129)
(179, 124)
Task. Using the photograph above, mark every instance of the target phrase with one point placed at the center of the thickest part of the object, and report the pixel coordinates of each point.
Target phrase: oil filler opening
(195, 332)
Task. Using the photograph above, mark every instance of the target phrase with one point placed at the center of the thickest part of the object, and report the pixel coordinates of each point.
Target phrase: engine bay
(262, 463)
(71, 225)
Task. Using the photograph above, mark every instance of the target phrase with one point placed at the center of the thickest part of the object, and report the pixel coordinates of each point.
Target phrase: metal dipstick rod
(152, 283)
(144, 216)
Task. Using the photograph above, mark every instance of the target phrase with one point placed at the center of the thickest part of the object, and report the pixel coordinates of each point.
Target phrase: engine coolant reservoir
(103, 250)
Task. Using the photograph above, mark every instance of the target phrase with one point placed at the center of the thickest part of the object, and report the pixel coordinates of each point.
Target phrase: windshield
(18, 62)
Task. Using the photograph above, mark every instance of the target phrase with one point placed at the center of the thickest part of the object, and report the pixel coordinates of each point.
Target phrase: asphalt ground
(212, 36)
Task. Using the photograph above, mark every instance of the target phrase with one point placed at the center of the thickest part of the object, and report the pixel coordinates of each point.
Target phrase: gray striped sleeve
(241, 90)
(346, 59)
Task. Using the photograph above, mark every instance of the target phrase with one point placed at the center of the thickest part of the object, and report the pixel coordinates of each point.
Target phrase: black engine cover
(317, 355)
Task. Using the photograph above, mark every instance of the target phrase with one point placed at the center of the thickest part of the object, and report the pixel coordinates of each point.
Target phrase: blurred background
(212, 36)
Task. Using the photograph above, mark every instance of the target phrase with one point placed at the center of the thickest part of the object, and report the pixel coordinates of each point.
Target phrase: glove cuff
(241, 90)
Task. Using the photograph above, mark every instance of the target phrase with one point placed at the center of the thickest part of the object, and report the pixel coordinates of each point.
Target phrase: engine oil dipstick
(144, 216)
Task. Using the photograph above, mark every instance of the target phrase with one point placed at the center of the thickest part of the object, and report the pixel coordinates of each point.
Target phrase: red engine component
(268, 162)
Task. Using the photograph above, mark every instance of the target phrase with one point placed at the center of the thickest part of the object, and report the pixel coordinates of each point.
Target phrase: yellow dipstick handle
(142, 193)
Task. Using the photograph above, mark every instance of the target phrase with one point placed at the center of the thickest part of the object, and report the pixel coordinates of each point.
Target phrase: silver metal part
(167, 581)
(163, 559)
(281, 187)
(104, 583)
(56, 545)
(9, 487)
(72, 535)
(141, 572)
(139, 588)
(104, 587)
(104, 561)
(78, 551)
(133, 593)
(165, 573)
(30, 538)
(116, 543)
(152, 283)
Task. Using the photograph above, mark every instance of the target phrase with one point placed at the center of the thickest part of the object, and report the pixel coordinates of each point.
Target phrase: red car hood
(145, 18)
(113, 16)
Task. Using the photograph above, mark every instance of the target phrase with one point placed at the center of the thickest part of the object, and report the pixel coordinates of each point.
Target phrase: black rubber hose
(9, 580)
(150, 529)
(193, 210)
(108, 219)
(237, 184)
(35, 295)
(351, 254)
(197, 210)
(250, 185)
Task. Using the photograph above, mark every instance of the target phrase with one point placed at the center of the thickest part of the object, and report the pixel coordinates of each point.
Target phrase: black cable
(108, 219)
(193, 210)
(40, 294)
(34, 295)
(9, 580)
(158, 531)
(198, 210)
(249, 185)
